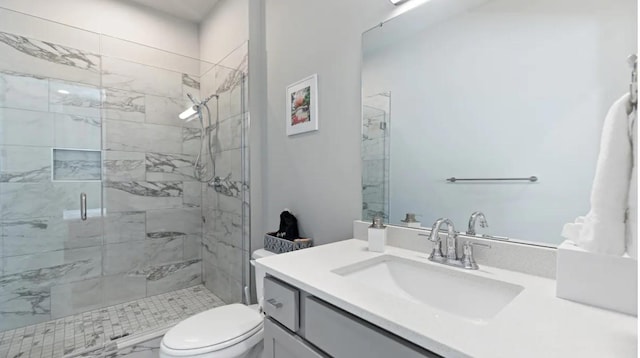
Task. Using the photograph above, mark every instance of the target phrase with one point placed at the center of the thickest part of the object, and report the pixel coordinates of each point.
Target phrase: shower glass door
(50, 156)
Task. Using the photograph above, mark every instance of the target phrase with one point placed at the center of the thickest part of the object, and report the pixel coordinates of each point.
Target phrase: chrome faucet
(477, 215)
(451, 245)
(466, 261)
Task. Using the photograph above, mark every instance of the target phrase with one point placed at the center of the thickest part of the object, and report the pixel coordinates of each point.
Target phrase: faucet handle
(468, 262)
(436, 253)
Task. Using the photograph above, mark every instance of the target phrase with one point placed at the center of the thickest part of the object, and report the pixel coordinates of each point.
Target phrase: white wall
(316, 175)
(119, 19)
(511, 88)
(224, 29)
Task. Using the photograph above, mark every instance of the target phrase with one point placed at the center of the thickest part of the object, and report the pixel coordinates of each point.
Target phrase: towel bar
(454, 179)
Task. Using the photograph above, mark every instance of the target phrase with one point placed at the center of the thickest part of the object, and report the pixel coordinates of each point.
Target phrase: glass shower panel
(375, 156)
(50, 140)
(226, 249)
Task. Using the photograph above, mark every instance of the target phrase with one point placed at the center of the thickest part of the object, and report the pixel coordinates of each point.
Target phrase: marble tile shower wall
(149, 241)
(375, 158)
(226, 223)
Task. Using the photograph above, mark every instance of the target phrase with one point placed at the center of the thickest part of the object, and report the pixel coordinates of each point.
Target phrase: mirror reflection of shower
(203, 170)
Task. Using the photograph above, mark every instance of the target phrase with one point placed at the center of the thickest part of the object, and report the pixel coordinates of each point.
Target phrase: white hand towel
(632, 211)
(604, 229)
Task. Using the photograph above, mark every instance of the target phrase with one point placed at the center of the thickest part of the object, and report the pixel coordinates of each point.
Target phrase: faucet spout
(477, 215)
(451, 237)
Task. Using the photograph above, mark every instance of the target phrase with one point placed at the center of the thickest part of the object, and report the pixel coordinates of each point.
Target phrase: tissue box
(605, 281)
(278, 245)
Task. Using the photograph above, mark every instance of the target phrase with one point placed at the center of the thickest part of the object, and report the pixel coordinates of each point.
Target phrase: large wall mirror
(497, 89)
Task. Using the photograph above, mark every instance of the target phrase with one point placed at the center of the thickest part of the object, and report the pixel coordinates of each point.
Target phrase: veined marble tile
(22, 54)
(162, 167)
(192, 195)
(174, 222)
(172, 277)
(82, 296)
(124, 166)
(237, 59)
(24, 307)
(37, 28)
(86, 262)
(224, 227)
(73, 131)
(27, 200)
(230, 87)
(125, 226)
(207, 83)
(75, 297)
(21, 127)
(25, 164)
(124, 105)
(135, 77)
(231, 132)
(74, 98)
(165, 110)
(190, 81)
(229, 259)
(142, 137)
(225, 195)
(137, 196)
(24, 92)
(191, 140)
(122, 288)
(161, 250)
(193, 247)
(76, 165)
(221, 284)
(124, 257)
(134, 52)
(38, 235)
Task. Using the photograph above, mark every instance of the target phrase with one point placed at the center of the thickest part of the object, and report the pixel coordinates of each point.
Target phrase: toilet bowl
(231, 331)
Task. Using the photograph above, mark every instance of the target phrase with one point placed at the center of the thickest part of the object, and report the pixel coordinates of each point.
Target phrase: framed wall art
(302, 106)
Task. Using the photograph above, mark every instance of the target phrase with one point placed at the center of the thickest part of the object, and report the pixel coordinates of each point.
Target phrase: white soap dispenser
(377, 235)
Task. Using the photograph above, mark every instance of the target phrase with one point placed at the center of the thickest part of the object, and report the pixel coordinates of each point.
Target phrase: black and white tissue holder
(604, 281)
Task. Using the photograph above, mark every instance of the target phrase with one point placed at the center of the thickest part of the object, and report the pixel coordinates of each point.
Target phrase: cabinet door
(279, 343)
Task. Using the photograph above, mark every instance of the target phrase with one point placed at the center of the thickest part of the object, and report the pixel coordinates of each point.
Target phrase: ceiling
(192, 10)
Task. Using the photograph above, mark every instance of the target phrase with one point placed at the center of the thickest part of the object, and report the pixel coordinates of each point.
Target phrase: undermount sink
(448, 289)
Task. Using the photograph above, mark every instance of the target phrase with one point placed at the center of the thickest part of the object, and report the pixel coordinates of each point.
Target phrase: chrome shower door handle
(83, 206)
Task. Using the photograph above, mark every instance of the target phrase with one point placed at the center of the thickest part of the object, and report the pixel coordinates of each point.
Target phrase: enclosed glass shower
(99, 203)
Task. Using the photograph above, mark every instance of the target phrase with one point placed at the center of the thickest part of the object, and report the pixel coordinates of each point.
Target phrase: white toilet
(231, 331)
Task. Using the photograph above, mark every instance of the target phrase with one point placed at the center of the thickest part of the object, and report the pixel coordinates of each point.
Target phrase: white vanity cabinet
(302, 326)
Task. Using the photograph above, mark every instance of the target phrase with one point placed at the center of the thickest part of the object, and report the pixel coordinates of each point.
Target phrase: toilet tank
(260, 273)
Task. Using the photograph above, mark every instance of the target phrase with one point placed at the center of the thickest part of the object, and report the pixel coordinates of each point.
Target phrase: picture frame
(301, 110)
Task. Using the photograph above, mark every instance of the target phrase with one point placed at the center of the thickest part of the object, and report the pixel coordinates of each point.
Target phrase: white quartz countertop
(535, 324)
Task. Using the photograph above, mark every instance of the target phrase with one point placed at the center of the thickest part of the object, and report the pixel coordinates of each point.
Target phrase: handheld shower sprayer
(188, 115)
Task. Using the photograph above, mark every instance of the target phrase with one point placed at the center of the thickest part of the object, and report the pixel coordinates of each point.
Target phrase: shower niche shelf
(76, 164)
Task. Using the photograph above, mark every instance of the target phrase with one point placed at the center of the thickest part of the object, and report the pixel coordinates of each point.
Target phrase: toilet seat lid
(216, 328)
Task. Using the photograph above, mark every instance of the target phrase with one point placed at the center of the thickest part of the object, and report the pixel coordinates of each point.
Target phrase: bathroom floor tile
(73, 335)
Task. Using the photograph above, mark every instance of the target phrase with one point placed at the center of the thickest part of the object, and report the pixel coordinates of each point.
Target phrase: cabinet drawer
(281, 302)
(278, 343)
(342, 335)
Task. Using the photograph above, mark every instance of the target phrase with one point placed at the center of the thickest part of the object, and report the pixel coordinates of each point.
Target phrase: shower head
(190, 113)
